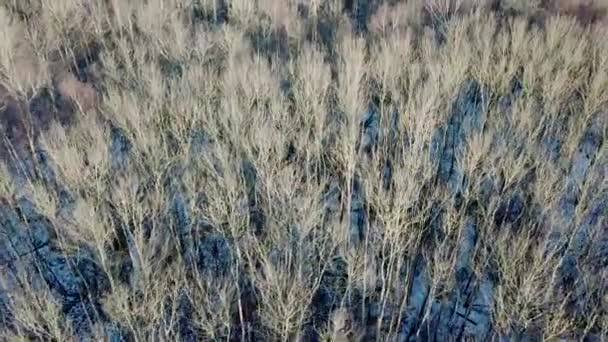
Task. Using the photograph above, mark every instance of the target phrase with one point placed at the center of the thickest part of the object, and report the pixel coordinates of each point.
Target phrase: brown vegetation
(303, 170)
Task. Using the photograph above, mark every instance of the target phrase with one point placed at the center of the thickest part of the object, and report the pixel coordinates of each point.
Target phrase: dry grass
(244, 131)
